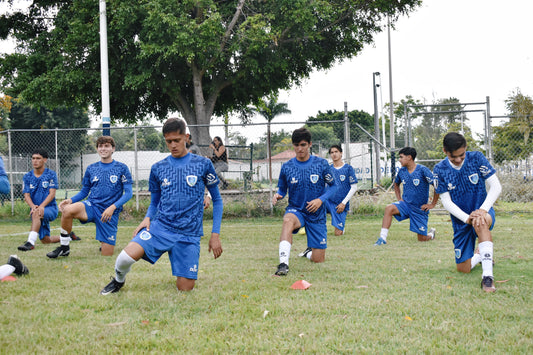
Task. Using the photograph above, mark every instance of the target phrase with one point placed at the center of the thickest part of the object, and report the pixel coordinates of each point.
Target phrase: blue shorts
(50, 214)
(338, 220)
(418, 218)
(105, 232)
(464, 239)
(183, 252)
(317, 233)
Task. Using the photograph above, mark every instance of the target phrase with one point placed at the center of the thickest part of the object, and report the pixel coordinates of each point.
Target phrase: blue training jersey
(415, 185)
(466, 185)
(181, 182)
(345, 177)
(2, 168)
(39, 187)
(306, 181)
(106, 183)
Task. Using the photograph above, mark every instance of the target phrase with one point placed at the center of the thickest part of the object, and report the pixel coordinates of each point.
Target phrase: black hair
(301, 134)
(453, 141)
(174, 125)
(219, 139)
(408, 151)
(336, 146)
(41, 152)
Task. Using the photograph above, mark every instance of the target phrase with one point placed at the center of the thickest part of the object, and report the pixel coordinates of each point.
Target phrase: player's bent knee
(464, 267)
(185, 284)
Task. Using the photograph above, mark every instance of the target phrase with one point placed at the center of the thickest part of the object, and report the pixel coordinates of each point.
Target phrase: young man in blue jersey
(108, 185)
(413, 202)
(174, 220)
(460, 180)
(339, 204)
(39, 189)
(304, 178)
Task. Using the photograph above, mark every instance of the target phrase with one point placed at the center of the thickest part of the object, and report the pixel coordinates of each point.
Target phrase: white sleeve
(451, 207)
(495, 188)
(353, 188)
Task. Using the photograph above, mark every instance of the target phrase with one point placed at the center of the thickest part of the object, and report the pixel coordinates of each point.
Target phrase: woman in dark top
(219, 159)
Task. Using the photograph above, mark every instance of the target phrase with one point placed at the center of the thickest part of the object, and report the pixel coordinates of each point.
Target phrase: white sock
(123, 265)
(384, 233)
(65, 241)
(476, 259)
(6, 270)
(284, 251)
(32, 237)
(308, 256)
(486, 251)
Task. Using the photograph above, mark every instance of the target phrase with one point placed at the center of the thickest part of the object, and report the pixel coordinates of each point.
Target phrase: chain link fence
(254, 161)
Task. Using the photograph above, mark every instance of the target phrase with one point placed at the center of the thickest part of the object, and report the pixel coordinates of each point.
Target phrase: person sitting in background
(219, 159)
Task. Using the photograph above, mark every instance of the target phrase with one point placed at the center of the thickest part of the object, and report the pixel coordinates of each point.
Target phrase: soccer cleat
(73, 236)
(305, 252)
(283, 269)
(62, 250)
(380, 241)
(112, 287)
(26, 246)
(20, 268)
(487, 284)
(432, 233)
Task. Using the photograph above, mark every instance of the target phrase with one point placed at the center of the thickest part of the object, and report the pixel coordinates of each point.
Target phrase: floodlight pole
(376, 129)
(104, 70)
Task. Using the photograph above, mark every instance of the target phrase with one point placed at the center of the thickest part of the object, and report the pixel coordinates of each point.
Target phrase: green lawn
(404, 297)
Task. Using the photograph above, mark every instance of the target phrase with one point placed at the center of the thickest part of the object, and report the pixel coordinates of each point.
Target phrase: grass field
(404, 297)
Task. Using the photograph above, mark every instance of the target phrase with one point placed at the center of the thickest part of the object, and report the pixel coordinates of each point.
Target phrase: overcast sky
(468, 49)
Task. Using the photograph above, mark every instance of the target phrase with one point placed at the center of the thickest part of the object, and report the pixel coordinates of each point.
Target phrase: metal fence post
(136, 169)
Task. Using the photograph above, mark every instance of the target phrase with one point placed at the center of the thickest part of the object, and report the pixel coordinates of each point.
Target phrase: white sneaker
(432, 233)
(304, 253)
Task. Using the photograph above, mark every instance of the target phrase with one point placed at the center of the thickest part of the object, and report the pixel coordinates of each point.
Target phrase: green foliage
(364, 119)
(198, 58)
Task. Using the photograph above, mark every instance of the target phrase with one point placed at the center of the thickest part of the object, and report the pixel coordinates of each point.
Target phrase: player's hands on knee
(314, 205)
(108, 213)
(64, 203)
(144, 224)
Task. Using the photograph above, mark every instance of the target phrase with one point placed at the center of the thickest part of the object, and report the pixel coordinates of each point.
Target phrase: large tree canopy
(198, 57)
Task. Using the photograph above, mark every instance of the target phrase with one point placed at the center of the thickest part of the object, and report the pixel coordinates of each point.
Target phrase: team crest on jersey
(416, 182)
(314, 178)
(145, 235)
(458, 253)
(191, 180)
(474, 178)
(165, 182)
(113, 179)
(342, 177)
(45, 184)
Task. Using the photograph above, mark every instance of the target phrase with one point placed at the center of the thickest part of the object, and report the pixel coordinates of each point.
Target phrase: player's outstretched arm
(215, 245)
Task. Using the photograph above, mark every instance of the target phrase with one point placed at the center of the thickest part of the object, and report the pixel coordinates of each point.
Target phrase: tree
(269, 108)
(512, 139)
(356, 116)
(197, 57)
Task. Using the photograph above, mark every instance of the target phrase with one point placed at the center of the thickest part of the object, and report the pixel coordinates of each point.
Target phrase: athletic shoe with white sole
(304, 253)
(26, 246)
(283, 269)
(380, 241)
(487, 284)
(20, 268)
(432, 233)
(62, 250)
(112, 287)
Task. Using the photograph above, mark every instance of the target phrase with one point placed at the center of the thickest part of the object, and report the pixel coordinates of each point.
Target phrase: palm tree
(269, 108)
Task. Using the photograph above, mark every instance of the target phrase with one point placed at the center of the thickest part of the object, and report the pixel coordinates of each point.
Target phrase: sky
(467, 49)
